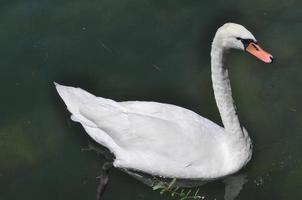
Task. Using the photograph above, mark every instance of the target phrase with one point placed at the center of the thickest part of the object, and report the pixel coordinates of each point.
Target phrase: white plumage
(168, 140)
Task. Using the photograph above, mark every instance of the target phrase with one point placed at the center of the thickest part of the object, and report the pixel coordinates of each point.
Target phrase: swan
(167, 140)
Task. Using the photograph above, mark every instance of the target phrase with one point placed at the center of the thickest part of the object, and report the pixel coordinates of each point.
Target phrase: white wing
(157, 138)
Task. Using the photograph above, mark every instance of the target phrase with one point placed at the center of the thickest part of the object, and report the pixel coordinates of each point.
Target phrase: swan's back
(157, 138)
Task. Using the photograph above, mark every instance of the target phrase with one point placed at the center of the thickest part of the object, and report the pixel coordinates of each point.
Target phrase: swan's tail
(74, 98)
(91, 112)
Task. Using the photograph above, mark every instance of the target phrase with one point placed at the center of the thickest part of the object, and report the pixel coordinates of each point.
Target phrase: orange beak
(256, 50)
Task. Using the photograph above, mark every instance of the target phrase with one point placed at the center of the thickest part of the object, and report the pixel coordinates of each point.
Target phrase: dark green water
(142, 50)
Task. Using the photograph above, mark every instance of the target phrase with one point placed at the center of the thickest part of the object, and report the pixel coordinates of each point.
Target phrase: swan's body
(167, 140)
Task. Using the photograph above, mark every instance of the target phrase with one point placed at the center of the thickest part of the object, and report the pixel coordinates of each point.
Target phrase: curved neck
(222, 90)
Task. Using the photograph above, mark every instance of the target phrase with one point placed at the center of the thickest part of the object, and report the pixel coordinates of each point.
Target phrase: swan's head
(235, 36)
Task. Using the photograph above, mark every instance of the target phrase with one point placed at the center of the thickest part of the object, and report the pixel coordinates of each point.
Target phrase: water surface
(142, 50)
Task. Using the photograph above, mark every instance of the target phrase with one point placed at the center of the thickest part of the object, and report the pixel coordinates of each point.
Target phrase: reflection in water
(103, 177)
(233, 186)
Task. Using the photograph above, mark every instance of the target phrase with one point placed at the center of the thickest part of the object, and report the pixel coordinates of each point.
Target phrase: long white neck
(238, 143)
(222, 90)
(238, 140)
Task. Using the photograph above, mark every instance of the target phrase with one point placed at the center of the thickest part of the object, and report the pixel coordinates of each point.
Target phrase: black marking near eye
(246, 42)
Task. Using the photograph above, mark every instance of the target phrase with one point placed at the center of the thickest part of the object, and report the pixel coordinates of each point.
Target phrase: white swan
(168, 140)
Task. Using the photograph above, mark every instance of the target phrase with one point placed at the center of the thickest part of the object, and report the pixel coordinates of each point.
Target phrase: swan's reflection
(233, 184)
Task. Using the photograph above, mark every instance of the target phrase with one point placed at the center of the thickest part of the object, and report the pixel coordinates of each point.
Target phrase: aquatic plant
(175, 191)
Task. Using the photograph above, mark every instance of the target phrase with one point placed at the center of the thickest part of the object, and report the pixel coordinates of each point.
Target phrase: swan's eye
(238, 38)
